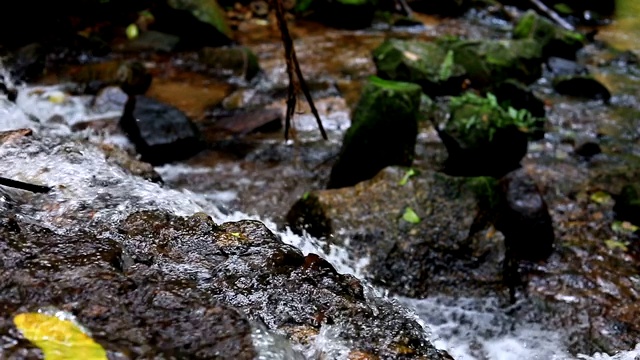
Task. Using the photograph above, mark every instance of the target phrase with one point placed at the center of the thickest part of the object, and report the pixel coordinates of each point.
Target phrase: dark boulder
(584, 86)
(160, 133)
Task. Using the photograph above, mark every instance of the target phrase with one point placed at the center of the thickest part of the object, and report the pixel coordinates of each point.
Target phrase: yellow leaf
(59, 339)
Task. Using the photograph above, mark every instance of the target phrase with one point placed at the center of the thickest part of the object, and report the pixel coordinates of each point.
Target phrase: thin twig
(293, 71)
(553, 15)
(24, 186)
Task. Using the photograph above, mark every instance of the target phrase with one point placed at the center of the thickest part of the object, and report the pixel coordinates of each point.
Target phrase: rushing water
(467, 328)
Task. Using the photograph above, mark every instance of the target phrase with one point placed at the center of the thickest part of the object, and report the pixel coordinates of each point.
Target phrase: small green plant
(489, 115)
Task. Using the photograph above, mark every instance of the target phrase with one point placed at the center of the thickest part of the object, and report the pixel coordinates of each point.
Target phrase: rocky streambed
(164, 262)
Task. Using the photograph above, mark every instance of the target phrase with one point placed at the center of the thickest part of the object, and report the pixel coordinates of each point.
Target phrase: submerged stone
(382, 133)
(160, 133)
(553, 40)
(423, 63)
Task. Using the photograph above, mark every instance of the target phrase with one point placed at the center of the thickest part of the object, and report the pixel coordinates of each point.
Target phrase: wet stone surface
(137, 312)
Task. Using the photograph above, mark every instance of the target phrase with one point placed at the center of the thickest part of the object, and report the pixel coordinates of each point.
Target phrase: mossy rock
(207, 11)
(554, 40)
(489, 61)
(383, 132)
(423, 63)
(482, 138)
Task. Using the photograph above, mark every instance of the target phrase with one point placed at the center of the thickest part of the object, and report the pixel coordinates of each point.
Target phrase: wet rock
(121, 158)
(423, 63)
(627, 205)
(382, 133)
(487, 62)
(523, 218)
(11, 94)
(160, 133)
(137, 313)
(483, 139)
(429, 252)
(583, 86)
(197, 23)
(230, 61)
(553, 40)
(238, 125)
(244, 265)
(152, 41)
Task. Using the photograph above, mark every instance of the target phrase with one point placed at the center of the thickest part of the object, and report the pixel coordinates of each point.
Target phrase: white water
(469, 329)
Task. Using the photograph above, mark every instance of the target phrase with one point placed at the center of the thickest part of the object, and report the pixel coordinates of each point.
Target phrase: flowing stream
(467, 328)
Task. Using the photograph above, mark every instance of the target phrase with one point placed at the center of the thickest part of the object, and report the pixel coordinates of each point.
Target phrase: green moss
(486, 190)
(476, 117)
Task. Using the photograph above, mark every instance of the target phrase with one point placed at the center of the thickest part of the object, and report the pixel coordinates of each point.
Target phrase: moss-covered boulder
(197, 22)
(423, 63)
(554, 40)
(382, 133)
(484, 139)
(584, 86)
(489, 61)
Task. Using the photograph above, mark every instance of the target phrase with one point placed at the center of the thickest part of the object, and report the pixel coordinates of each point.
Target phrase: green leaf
(446, 67)
(600, 197)
(406, 177)
(132, 31)
(410, 216)
(623, 227)
(613, 244)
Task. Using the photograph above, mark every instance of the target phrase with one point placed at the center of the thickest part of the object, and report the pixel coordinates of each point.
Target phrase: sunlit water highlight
(95, 190)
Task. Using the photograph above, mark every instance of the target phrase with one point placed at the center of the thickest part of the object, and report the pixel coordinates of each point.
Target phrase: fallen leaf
(58, 338)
